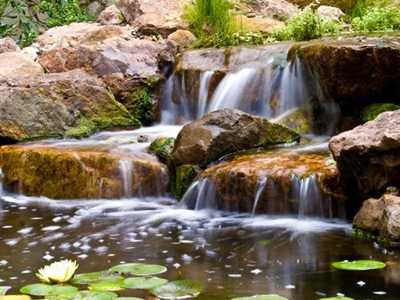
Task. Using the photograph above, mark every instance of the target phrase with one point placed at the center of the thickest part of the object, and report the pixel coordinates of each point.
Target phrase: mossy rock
(372, 111)
(183, 178)
(300, 120)
(141, 99)
(162, 147)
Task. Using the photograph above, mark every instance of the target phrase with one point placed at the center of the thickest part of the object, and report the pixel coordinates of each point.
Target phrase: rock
(8, 45)
(183, 177)
(153, 16)
(31, 52)
(60, 173)
(342, 4)
(380, 217)
(264, 25)
(307, 185)
(18, 64)
(368, 157)
(182, 38)
(131, 68)
(331, 12)
(111, 16)
(162, 148)
(277, 9)
(353, 73)
(218, 133)
(70, 104)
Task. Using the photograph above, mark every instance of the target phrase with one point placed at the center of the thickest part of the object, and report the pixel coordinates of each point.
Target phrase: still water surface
(232, 255)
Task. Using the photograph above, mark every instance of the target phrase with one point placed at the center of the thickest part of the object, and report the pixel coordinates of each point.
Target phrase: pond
(231, 254)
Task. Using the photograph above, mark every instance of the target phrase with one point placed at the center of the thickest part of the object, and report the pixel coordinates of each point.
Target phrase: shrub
(16, 22)
(306, 26)
(64, 12)
(378, 19)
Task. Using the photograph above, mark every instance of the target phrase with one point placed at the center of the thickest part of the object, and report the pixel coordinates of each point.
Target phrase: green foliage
(211, 21)
(359, 265)
(16, 22)
(377, 19)
(372, 111)
(64, 12)
(307, 25)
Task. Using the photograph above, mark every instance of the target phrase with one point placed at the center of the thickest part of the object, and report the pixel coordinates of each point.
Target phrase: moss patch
(183, 178)
(279, 134)
(371, 112)
(380, 239)
(162, 147)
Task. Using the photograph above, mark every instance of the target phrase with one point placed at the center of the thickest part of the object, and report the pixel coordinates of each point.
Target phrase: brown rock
(277, 9)
(221, 132)
(8, 45)
(342, 4)
(111, 16)
(331, 12)
(368, 157)
(263, 25)
(370, 215)
(18, 64)
(59, 173)
(182, 38)
(71, 104)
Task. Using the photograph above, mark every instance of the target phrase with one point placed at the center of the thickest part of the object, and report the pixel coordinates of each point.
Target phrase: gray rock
(8, 45)
(111, 16)
(221, 132)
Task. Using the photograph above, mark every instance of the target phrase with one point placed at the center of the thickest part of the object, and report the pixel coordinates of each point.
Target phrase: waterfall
(126, 169)
(270, 87)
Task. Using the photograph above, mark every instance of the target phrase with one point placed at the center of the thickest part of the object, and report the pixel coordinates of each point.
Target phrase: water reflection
(231, 254)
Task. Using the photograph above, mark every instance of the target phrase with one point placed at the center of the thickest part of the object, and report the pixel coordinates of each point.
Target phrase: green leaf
(178, 289)
(88, 278)
(262, 297)
(15, 297)
(139, 269)
(337, 298)
(359, 265)
(106, 286)
(41, 289)
(128, 298)
(89, 295)
(143, 282)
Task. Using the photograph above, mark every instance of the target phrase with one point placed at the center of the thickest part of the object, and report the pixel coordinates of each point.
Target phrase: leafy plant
(211, 21)
(307, 25)
(16, 22)
(377, 19)
(64, 12)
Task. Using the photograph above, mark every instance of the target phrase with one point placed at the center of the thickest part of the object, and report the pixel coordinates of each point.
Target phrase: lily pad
(262, 297)
(139, 269)
(15, 297)
(359, 265)
(178, 289)
(143, 282)
(106, 286)
(88, 278)
(337, 298)
(128, 298)
(89, 295)
(42, 289)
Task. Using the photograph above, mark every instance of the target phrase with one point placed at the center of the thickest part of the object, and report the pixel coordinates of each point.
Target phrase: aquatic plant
(359, 265)
(58, 272)
(306, 25)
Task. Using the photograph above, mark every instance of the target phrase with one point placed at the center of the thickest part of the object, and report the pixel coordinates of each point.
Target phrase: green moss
(183, 178)
(300, 120)
(42, 136)
(162, 147)
(380, 239)
(371, 112)
(279, 134)
(140, 99)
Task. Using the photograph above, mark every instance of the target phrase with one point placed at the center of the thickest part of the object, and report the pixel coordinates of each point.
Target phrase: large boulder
(304, 184)
(131, 68)
(381, 217)
(353, 72)
(278, 9)
(368, 157)
(221, 132)
(154, 16)
(18, 64)
(70, 104)
(342, 4)
(61, 173)
(8, 45)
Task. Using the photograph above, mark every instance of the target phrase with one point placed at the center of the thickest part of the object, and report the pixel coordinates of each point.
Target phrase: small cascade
(1, 182)
(270, 87)
(261, 184)
(126, 169)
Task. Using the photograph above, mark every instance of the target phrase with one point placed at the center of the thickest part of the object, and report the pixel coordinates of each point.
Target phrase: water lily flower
(58, 272)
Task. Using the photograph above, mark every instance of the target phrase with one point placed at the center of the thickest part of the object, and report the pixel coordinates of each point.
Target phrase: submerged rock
(221, 132)
(131, 68)
(281, 183)
(368, 157)
(70, 104)
(381, 217)
(59, 173)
